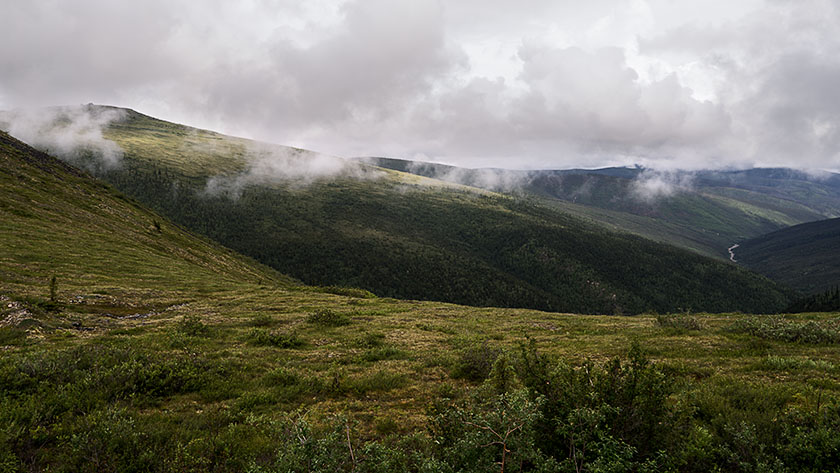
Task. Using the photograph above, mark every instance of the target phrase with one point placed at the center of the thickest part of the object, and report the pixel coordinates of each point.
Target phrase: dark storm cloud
(514, 84)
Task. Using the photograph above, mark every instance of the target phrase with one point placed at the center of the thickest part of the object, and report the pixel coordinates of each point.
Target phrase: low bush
(782, 363)
(348, 291)
(261, 320)
(192, 325)
(370, 340)
(263, 337)
(779, 328)
(475, 362)
(679, 321)
(328, 318)
(383, 353)
(12, 336)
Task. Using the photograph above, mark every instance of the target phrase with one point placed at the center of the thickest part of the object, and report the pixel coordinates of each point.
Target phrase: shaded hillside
(58, 221)
(805, 257)
(704, 211)
(327, 221)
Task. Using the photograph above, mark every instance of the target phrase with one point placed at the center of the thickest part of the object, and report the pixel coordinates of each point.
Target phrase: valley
(131, 343)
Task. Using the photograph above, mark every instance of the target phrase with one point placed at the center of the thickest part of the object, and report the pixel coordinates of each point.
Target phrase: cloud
(539, 84)
(291, 167)
(71, 133)
(651, 185)
(498, 180)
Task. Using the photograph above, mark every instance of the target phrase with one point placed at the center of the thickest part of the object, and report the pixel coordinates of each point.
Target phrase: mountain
(805, 257)
(58, 221)
(335, 222)
(704, 211)
(164, 351)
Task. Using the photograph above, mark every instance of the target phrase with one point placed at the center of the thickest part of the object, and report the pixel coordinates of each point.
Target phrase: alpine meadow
(434, 237)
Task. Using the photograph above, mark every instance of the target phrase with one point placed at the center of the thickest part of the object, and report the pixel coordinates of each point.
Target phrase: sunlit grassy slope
(707, 212)
(404, 236)
(161, 351)
(58, 221)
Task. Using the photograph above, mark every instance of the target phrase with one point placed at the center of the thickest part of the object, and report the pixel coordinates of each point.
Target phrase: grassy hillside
(806, 256)
(331, 222)
(162, 352)
(707, 213)
(51, 213)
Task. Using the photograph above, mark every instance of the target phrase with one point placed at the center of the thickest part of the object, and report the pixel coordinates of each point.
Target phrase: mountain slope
(805, 257)
(58, 221)
(329, 221)
(704, 211)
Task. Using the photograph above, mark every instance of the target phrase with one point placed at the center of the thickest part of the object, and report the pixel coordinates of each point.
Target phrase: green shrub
(383, 353)
(282, 377)
(328, 318)
(474, 363)
(12, 336)
(348, 291)
(262, 337)
(261, 320)
(782, 363)
(370, 340)
(191, 325)
(107, 440)
(679, 321)
(379, 381)
(625, 401)
(779, 328)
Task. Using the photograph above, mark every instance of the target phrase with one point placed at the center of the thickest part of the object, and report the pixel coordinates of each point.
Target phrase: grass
(328, 318)
(165, 351)
(679, 322)
(825, 332)
(262, 337)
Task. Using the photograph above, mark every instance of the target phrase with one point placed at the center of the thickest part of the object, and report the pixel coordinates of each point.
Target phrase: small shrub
(192, 325)
(53, 289)
(371, 340)
(679, 321)
(12, 336)
(328, 318)
(383, 353)
(282, 377)
(379, 381)
(250, 400)
(348, 291)
(261, 320)
(262, 337)
(386, 426)
(474, 363)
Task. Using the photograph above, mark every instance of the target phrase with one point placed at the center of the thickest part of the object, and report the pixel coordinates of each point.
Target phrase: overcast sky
(514, 84)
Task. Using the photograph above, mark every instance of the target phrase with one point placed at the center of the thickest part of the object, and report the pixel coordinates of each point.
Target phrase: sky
(520, 84)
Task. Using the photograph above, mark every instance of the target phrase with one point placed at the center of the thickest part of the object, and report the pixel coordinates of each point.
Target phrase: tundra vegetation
(131, 346)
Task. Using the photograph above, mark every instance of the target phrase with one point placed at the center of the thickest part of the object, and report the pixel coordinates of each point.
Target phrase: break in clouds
(518, 85)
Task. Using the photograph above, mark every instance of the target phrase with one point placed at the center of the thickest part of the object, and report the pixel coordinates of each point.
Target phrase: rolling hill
(164, 352)
(704, 211)
(334, 222)
(51, 214)
(805, 257)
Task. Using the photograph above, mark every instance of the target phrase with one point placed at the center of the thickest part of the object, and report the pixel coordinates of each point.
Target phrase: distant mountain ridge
(399, 235)
(705, 211)
(805, 257)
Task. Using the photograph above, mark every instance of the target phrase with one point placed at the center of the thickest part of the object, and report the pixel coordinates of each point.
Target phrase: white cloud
(533, 83)
(72, 133)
